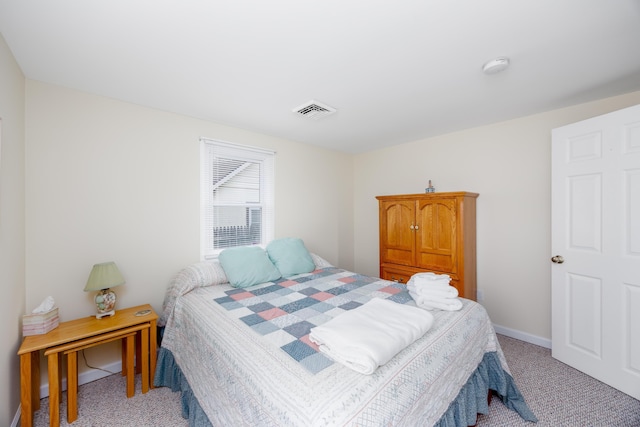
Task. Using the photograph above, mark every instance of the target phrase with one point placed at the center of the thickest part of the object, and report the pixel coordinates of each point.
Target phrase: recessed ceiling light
(496, 65)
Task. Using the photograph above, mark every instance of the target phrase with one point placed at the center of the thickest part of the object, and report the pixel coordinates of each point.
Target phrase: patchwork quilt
(246, 356)
(284, 311)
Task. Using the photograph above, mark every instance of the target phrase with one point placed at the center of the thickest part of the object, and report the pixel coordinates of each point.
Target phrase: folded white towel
(370, 335)
(429, 275)
(431, 285)
(432, 280)
(429, 303)
(435, 292)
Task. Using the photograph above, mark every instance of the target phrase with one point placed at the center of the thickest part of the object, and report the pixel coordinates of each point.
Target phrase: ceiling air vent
(314, 110)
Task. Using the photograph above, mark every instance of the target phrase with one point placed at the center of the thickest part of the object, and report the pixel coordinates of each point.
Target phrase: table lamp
(104, 276)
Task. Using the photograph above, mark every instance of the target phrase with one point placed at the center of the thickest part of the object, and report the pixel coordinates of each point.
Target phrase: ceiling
(395, 71)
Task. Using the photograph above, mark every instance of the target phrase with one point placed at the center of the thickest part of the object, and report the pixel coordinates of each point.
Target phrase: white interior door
(595, 229)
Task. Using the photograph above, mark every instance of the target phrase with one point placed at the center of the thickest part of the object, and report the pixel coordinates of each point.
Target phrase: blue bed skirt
(462, 412)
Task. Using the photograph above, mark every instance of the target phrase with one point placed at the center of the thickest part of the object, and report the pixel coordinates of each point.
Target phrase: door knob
(557, 259)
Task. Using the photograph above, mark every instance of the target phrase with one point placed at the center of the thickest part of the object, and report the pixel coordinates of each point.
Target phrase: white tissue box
(40, 323)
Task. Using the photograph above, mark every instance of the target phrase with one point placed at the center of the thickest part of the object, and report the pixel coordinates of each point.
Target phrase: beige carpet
(559, 395)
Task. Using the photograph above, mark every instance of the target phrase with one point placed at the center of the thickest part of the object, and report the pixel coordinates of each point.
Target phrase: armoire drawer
(395, 275)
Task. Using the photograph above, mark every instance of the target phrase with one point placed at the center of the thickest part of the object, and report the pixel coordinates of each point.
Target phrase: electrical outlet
(480, 295)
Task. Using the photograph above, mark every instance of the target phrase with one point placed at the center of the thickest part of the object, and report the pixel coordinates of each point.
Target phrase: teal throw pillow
(290, 256)
(247, 266)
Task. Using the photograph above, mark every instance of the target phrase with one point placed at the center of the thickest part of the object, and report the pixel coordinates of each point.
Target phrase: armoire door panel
(399, 256)
(397, 240)
(436, 222)
(445, 230)
(436, 238)
(443, 261)
(399, 217)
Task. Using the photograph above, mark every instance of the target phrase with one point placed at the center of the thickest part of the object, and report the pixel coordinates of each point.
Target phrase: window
(236, 201)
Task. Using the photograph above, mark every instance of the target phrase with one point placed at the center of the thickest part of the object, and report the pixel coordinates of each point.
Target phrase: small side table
(69, 338)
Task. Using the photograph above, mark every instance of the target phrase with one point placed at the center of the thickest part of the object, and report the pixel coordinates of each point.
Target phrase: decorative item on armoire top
(430, 188)
(104, 276)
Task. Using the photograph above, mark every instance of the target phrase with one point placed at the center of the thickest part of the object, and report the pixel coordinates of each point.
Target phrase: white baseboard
(83, 378)
(522, 336)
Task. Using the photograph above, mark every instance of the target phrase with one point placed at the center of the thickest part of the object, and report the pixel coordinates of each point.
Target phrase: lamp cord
(94, 367)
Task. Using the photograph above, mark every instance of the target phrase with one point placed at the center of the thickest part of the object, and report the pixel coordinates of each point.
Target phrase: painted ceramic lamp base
(105, 303)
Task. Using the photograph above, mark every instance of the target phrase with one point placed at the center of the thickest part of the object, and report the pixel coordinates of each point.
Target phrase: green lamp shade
(104, 276)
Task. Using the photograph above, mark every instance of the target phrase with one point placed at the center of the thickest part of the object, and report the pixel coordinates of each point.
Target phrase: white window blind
(236, 196)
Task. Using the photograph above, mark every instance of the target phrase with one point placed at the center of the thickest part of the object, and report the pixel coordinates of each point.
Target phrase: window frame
(209, 149)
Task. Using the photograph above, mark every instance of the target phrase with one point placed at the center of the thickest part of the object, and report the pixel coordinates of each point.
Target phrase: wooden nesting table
(69, 338)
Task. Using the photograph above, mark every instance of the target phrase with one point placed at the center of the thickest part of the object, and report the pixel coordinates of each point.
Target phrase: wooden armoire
(429, 232)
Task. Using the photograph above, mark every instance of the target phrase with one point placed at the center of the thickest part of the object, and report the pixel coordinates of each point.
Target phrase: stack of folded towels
(433, 292)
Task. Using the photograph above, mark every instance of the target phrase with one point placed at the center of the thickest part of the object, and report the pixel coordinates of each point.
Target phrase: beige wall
(108, 180)
(509, 164)
(12, 225)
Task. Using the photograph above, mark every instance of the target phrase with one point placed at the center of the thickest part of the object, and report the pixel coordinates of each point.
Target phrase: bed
(242, 356)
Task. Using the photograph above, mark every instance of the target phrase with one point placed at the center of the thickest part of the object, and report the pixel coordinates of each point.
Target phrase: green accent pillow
(290, 256)
(247, 266)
